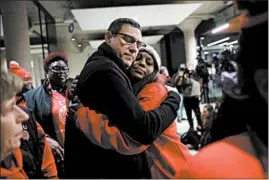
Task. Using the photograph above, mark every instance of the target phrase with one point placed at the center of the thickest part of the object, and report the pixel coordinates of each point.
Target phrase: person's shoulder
(33, 92)
(222, 159)
(156, 86)
(97, 61)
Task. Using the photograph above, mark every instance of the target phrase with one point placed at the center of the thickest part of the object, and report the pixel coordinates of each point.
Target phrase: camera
(201, 69)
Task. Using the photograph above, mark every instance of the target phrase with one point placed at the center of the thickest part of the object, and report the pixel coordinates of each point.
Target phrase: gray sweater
(193, 89)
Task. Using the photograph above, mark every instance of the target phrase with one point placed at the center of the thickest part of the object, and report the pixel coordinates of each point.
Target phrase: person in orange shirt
(38, 160)
(12, 118)
(166, 155)
(25, 75)
(49, 104)
(244, 155)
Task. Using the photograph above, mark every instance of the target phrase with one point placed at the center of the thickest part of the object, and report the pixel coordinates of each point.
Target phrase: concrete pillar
(3, 61)
(190, 47)
(15, 27)
(188, 27)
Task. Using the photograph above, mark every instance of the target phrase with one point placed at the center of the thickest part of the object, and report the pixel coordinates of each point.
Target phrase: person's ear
(108, 36)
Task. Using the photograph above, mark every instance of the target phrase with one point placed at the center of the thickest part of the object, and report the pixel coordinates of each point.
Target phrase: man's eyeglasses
(58, 69)
(127, 39)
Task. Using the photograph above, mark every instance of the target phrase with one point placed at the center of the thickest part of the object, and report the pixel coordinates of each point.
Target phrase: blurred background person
(207, 119)
(165, 73)
(25, 75)
(171, 86)
(248, 149)
(191, 91)
(176, 79)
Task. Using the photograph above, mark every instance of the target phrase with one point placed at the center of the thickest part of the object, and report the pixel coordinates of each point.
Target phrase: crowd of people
(117, 118)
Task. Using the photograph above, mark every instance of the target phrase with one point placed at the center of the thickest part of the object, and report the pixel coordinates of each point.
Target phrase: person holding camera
(190, 89)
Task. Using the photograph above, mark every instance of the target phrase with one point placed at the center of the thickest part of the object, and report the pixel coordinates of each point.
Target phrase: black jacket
(32, 149)
(104, 87)
(86, 160)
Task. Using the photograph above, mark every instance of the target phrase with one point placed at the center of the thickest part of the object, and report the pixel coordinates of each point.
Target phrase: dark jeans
(192, 103)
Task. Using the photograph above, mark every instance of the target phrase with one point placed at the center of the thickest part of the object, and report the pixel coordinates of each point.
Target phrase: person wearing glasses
(49, 104)
(166, 154)
(104, 87)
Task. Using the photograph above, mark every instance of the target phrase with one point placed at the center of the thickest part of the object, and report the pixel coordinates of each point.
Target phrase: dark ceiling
(111, 3)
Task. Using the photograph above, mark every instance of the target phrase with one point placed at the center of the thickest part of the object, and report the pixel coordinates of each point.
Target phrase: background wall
(172, 49)
(78, 60)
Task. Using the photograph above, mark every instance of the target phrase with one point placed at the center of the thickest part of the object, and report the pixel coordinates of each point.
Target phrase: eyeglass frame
(129, 43)
(66, 70)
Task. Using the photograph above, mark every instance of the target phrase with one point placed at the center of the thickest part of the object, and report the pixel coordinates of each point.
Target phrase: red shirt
(59, 112)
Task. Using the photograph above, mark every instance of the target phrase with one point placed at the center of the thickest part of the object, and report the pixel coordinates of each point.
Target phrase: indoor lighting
(228, 43)
(219, 41)
(79, 45)
(73, 39)
(206, 53)
(233, 42)
(220, 28)
(223, 44)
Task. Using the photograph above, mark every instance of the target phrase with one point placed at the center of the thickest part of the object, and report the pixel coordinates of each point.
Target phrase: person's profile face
(11, 126)
(126, 43)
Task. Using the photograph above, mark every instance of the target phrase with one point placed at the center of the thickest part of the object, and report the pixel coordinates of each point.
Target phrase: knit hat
(149, 49)
(55, 56)
(15, 68)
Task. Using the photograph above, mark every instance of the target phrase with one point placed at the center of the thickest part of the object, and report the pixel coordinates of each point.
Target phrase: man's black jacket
(103, 86)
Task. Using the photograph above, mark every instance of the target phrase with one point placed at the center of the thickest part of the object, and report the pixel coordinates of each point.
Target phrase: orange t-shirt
(59, 112)
(232, 157)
